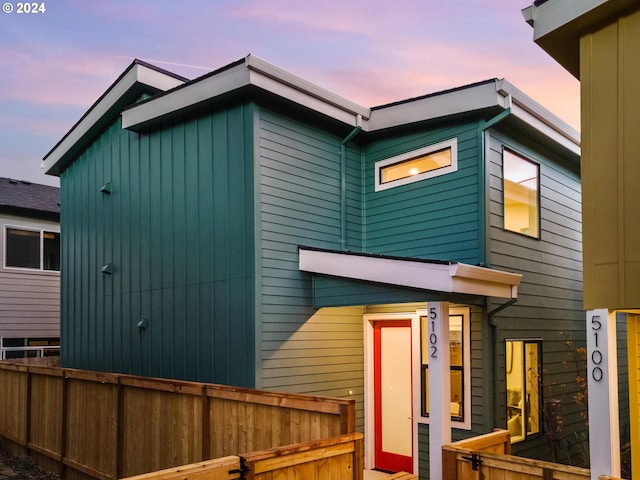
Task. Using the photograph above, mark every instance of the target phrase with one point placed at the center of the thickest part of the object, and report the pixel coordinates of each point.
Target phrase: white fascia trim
(253, 71)
(554, 14)
(439, 277)
(137, 74)
(303, 90)
(200, 91)
(534, 114)
(437, 106)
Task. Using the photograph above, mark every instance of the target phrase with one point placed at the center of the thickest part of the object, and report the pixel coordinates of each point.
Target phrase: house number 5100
(433, 337)
(596, 354)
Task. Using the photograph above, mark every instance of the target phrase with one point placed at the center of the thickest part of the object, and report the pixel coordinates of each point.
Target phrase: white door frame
(369, 418)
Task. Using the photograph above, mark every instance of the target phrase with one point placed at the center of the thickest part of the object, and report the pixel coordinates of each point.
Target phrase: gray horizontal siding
(29, 299)
(549, 303)
(436, 218)
(299, 187)
(29, 304)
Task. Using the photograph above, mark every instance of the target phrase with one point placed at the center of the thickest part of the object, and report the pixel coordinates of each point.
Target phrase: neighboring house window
(28, 347)
(521, 194)
(524, 396)
(417, 165)
(37, 249)
(459, 358)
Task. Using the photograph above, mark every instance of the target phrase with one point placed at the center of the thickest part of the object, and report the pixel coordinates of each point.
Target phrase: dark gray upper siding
(177, 230)
(550, 295)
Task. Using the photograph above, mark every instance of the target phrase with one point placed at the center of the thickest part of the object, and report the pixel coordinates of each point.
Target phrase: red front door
(392, 395)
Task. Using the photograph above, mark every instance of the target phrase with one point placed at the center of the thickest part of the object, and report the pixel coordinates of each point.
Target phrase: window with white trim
(33, 249)
(459, 350)
(431, 161)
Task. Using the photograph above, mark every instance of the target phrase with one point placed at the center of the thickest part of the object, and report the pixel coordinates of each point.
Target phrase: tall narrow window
(523, 388)
(35, 249)
(458, 346)
(521, 201)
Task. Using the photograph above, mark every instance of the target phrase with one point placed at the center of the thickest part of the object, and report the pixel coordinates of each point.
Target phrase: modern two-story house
(30, 269)
(251, 228)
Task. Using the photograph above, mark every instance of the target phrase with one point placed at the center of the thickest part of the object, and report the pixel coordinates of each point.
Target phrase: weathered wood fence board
(338, 458)
(110, 426)
(488, 456)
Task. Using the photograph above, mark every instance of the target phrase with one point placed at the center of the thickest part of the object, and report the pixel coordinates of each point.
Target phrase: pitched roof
(31, 199)
(174, 97)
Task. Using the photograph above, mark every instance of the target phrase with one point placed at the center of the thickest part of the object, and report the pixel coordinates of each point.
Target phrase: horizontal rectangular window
(35, 249)
(427, 162)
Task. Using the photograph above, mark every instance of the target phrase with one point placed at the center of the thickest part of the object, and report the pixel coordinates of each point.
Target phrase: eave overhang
(446, 277)
(173, 96)
(136, 79)
(559, 24)
(251, 71)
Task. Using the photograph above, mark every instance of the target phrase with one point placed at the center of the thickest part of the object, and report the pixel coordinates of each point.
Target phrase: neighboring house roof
(254, 74)
(559, 24)
(29, 199)
(447, 277)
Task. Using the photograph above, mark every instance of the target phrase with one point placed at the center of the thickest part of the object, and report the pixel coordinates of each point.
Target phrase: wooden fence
(339, 458)
(109, 426)
(488, 457)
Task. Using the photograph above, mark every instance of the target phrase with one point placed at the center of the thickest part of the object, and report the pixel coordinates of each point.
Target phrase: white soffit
(456, 101)
(538, 117)
(137, 73)
(252, 71)
(553, 14)
(434, 276)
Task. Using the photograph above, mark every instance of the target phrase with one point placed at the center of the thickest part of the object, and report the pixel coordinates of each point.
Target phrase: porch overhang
(435, 276)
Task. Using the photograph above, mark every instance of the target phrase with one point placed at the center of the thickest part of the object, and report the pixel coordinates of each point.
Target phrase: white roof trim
(209, 87)
(253, 71)
(136, 74)
(439, 277)
(436, 106)
(535, 115)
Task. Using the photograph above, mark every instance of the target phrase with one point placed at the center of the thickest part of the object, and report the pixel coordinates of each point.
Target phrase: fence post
(347, 418)
(449, 467)
(63, 429)
(206, 425)
(27, 431)
(119, 429)
(358, 458)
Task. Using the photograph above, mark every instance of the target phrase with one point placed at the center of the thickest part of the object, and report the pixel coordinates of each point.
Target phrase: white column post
(439, 384)
(602, 377)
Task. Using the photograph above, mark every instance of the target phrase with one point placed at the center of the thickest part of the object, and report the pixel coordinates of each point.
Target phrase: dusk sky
(54, 65)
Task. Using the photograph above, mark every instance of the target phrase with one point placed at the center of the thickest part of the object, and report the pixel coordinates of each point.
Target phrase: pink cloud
(72, 79)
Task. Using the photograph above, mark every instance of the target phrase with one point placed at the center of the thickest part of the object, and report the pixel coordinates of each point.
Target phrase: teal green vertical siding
(436, 218)
(178, 230)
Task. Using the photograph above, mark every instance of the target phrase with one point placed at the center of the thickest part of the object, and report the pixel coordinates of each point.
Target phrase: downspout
(484, 185)
(343, 181)
(493, 328)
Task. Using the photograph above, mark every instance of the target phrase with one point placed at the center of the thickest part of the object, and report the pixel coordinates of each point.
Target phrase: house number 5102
(433, 337)
(596, 354)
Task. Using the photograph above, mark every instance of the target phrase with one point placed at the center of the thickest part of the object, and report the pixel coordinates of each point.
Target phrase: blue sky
(54, 65)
